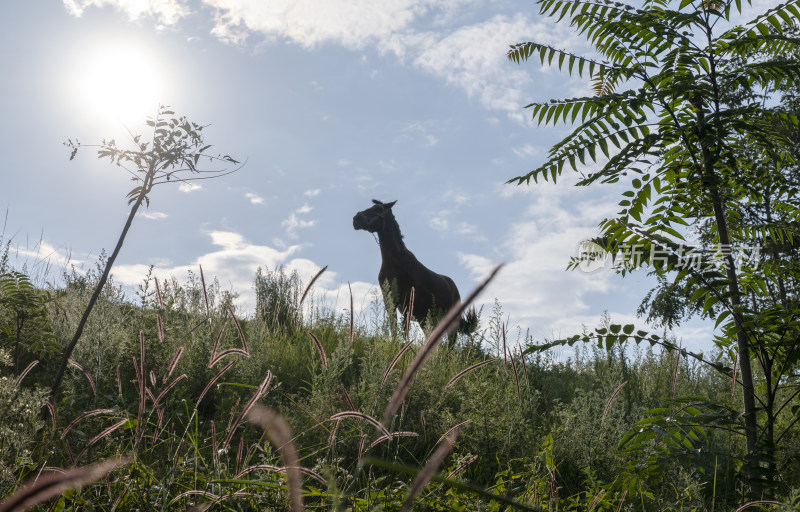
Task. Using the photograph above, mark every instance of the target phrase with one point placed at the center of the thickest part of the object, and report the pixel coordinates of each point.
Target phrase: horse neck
(391, 240)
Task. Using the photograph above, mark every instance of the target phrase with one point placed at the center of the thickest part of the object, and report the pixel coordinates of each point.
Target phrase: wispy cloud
(186, 187)
(167, 12)
(293, 223)
(440, 221)
(419, 132)
(310, 23)
(526, 150)
(152, 215)
(312, 193)
(254, 198)
(234, 261)
(433, 35)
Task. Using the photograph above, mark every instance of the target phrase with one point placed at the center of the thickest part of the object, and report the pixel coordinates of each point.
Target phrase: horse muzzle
(360, 221)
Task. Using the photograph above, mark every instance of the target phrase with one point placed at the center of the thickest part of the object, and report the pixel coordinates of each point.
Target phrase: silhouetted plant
(173, 154)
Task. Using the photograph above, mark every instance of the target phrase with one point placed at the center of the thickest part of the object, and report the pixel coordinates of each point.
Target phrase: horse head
(373, 219)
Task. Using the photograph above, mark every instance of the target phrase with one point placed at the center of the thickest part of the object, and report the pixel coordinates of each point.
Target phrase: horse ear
(389, 205)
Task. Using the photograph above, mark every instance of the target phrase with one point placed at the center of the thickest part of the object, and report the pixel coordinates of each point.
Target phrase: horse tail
(469, 322)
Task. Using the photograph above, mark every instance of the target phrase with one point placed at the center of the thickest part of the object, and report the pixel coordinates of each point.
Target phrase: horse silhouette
(434, 294)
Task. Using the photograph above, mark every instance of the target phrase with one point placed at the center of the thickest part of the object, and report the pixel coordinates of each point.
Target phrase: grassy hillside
(167, 378)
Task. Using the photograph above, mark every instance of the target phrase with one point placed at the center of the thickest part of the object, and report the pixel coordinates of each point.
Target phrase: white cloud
(353, 24)
(473, 58)
(313, 192)
(187, 187)
(152, 215)
(456, 196)
(439, 223)
(168, 12)
(293, 223)
(304, 209)
(430, 34)
(234, 262)
(526, 150)
(419, 131)
(254, 198)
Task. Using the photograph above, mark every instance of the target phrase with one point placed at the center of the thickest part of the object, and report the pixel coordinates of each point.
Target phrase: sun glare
(121, 83)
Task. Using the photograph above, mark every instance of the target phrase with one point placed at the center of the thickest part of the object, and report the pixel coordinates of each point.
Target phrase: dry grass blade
(141, 352)
(323, 358)
(159, 298)
(391, 435)
(352, 322)
(441, 328)
(360, 415)
(758, 502)
(214, 380)
(424, 476)
(467, 370)
(455, 428)
(52, 411)
(142, 391)
(214, 359)
(462, 466)
(347, 397)
(166, 389)
(595, 500)
(611, 399)
(394, 362)
(56, 484)
(160, 327)
(98, 437)
(85, 415)
(205, 293)
(26, 370)
(516, 378)
(524, 365)
(624, 494)
(80, 367)
(505, 351)
(307, 472)
(225, 353)
(239, 330)
(410, 310)
(332, 435)
(311, 283)
(675, 371)
(281, 436)
(258, 467)
(172, 364)
(262, 388)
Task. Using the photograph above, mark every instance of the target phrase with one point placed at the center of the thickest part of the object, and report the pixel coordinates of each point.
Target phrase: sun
(121, 82)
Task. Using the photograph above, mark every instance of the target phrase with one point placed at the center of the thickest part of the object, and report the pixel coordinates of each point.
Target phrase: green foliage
(563, 418)
(20, 426)
(278, 298)
(172, 154)
(698, 118)
(26, 328)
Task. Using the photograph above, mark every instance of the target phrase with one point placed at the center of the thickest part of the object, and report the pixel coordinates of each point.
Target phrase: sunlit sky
(332, 103)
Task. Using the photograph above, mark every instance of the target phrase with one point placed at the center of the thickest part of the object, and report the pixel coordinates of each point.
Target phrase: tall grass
(171, 382)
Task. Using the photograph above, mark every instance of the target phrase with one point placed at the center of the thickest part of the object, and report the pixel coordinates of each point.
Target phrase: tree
(660, 122)
(173, 154)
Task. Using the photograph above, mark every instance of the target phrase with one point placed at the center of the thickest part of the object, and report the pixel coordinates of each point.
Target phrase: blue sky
(332, 104)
